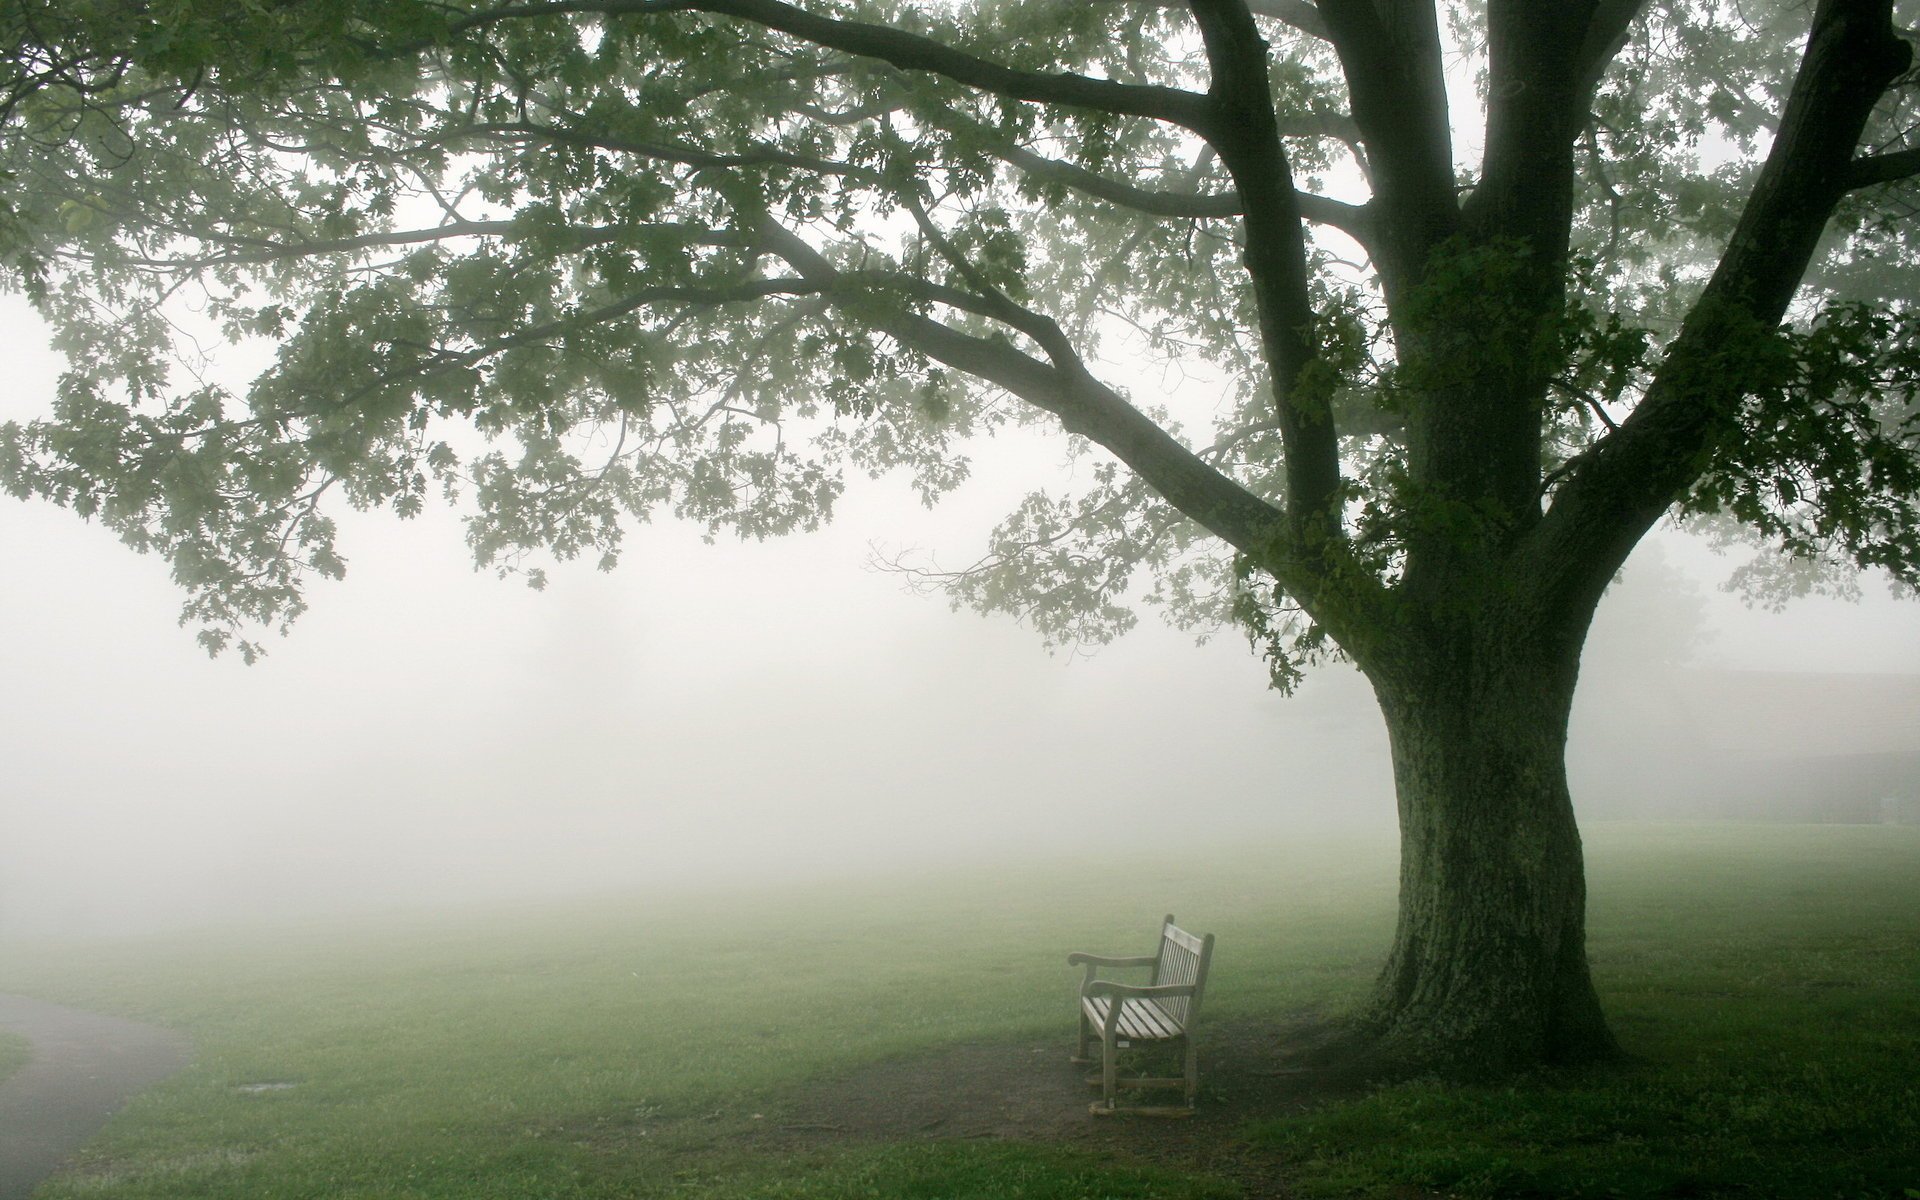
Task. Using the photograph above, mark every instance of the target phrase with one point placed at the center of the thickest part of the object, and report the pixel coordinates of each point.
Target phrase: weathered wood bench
(1160, 1011)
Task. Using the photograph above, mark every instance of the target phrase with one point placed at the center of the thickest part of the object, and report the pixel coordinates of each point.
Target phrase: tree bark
(1488, 972)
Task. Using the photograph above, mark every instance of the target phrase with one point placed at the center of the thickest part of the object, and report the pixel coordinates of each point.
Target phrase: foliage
(557, 229)
(577, 262)
(1823, 463)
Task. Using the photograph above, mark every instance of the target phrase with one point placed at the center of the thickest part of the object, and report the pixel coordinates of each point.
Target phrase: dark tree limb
(1351, 219)
(1536, 108)
(1348, 603)
(1621, 486)
(899, 48)
(1479, 444)
(1297, 14)
(1194, 205)
(1891, 167)
(1391, 55)
(1245, 131)
(1605, 37)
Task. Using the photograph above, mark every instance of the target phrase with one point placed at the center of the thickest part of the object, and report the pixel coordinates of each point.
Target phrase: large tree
(1486, 289)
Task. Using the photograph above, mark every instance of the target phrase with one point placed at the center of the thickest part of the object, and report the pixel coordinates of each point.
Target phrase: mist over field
(714, 716)
(1511, 349)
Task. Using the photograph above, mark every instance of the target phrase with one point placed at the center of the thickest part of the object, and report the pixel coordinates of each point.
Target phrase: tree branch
(1355, 220)
(1299, 14)
(1605, 37)
(1871, 169)
(1626, 480)
(1193, 205)
(1536, 108)
(1087, 407)
(262, 250)
(1246, 133)
(908, 51)
(1391, 55)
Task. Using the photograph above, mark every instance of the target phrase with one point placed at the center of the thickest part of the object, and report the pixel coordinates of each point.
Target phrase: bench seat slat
(1140, 1020)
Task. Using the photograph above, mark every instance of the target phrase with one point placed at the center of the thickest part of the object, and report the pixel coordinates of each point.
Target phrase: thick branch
(908, 51)
(1196, 205)
(1535, 111)
(1084, 406)
(1621, 486)
(1087, 407)
(1871, 169)
(1351, 219)
(1605, 37)
(1246, 133)
(1299, 14)
(1390, 52)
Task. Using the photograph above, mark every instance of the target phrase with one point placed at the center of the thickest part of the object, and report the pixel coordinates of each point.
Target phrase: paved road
(84, 1067)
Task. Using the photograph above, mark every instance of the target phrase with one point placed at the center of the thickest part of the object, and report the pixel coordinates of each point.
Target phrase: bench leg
(1080, 1052)
(1192, 1072)
(1109, 1071)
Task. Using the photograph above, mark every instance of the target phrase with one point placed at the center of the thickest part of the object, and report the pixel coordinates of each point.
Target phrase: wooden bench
(1160, 1011)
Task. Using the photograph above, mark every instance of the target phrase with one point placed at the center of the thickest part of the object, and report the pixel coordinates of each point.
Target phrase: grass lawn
(1768, 979)
(13, 1053)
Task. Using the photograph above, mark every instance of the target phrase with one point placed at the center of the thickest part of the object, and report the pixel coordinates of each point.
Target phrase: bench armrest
(1093, 963)
(1129, 991)
(1101, 960)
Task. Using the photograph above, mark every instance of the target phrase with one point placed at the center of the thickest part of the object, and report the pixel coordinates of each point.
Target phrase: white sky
(704, 713)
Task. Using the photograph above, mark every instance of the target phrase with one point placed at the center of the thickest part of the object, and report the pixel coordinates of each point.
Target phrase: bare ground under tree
(1028, 1091)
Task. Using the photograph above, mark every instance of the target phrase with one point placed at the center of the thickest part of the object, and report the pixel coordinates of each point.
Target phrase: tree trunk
(1488, 971)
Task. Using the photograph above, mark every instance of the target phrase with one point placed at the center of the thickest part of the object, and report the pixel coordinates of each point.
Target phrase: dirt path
(84, 1067)
(1027, 1091)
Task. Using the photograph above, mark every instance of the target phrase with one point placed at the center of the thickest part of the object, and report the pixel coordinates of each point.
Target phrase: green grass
(13, 1053)
(959, 1171)
(1768, 979)
(461, 1057)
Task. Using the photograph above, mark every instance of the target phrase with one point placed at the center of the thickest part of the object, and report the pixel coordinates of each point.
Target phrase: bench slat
(1181, 938)
(1140, 1020)
(1177, 966)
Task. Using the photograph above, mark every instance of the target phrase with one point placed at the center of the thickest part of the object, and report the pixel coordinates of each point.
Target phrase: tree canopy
(702, 257)
(1488, 287)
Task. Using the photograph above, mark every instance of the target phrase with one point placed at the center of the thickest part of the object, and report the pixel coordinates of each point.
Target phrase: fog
(716, 716)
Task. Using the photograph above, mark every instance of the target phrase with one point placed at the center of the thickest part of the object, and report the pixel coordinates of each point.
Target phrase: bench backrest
(1183, 959)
